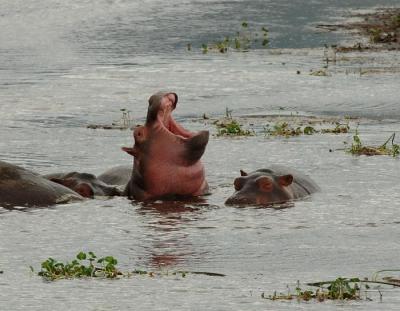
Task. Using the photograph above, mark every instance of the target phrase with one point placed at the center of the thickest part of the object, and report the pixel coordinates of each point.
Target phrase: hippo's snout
(239, 199)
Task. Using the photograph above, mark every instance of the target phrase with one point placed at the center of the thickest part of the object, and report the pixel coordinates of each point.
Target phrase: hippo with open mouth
(277, 184)
(166, 156)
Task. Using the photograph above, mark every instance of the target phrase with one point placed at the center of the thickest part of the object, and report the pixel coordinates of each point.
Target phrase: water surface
(66, 65)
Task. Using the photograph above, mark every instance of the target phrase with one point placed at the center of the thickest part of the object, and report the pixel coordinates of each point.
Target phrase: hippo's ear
(264, 184)
(84, 190)
(129, 150)
(238, 183)
(243, 173)
(285, 180)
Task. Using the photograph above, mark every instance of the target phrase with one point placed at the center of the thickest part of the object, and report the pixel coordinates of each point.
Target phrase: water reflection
(166, 222)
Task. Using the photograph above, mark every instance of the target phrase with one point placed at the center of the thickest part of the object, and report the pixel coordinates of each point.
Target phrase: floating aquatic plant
(358, 148)
(338, 129)
(87, 265)
(245, 39)
(338, 289)
(232, 128)
(284, 129)
(287, 130)
(228, 126)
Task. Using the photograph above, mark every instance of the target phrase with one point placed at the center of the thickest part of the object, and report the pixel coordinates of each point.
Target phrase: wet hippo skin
(277, 184)
(87, 185)
(118, 175)
(21, 187)
(166, 156)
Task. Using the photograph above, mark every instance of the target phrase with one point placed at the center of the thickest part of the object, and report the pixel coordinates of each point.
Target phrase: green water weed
(245, 39)
(358, 148)
(84, 265)
(339, 289)
(88, 265)
(231, 127)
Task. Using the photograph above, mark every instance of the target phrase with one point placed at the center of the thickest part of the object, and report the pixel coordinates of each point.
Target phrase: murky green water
(66, 65)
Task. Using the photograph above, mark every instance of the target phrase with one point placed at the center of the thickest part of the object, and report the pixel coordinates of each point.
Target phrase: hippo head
(87, 185)
(166, 155)
(261, 187)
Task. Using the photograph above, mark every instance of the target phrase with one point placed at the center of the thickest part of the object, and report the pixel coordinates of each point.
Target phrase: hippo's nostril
(175, 100)
(238, 200)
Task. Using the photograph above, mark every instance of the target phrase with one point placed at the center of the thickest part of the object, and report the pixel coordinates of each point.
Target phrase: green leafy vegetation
(284, 129)
(358, 148)
(228, 126)
(245, 39)
(232, 127)
(87, 265)
(287, 130)
(338, 129)
(384, 29)
(396, 21)
(375, 35)
(338, 289)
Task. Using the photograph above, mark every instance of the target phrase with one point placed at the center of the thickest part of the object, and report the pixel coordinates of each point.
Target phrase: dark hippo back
(119, 175)
(302, 184)
(20, 187)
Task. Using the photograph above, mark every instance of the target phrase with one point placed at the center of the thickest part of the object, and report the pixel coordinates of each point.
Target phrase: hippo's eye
(139, 134)
(264, 184)
(238, 183)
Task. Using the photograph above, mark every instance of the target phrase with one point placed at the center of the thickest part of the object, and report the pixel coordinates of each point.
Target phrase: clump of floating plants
(341, 288)
(284, 129)
(87, 265)
(385, 27)
(245, 39)
(338, 289)
(358, 148)
(338, 129)
(123, 123)
(228, 126)
(287, 130)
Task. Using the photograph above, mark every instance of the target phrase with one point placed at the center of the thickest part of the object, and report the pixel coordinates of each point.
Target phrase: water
(66, 65)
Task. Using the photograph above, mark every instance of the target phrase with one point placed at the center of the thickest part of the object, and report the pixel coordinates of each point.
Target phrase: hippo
(166, 156)
(21, 187)
(118, 175)
(87, 185)
(277, 184)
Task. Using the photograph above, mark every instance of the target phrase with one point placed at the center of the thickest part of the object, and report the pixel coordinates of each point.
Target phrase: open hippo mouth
(161, 106)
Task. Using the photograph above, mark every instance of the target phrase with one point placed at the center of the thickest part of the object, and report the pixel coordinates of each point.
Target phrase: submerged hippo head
(267, 186)
(87, 185)
(167, 156)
